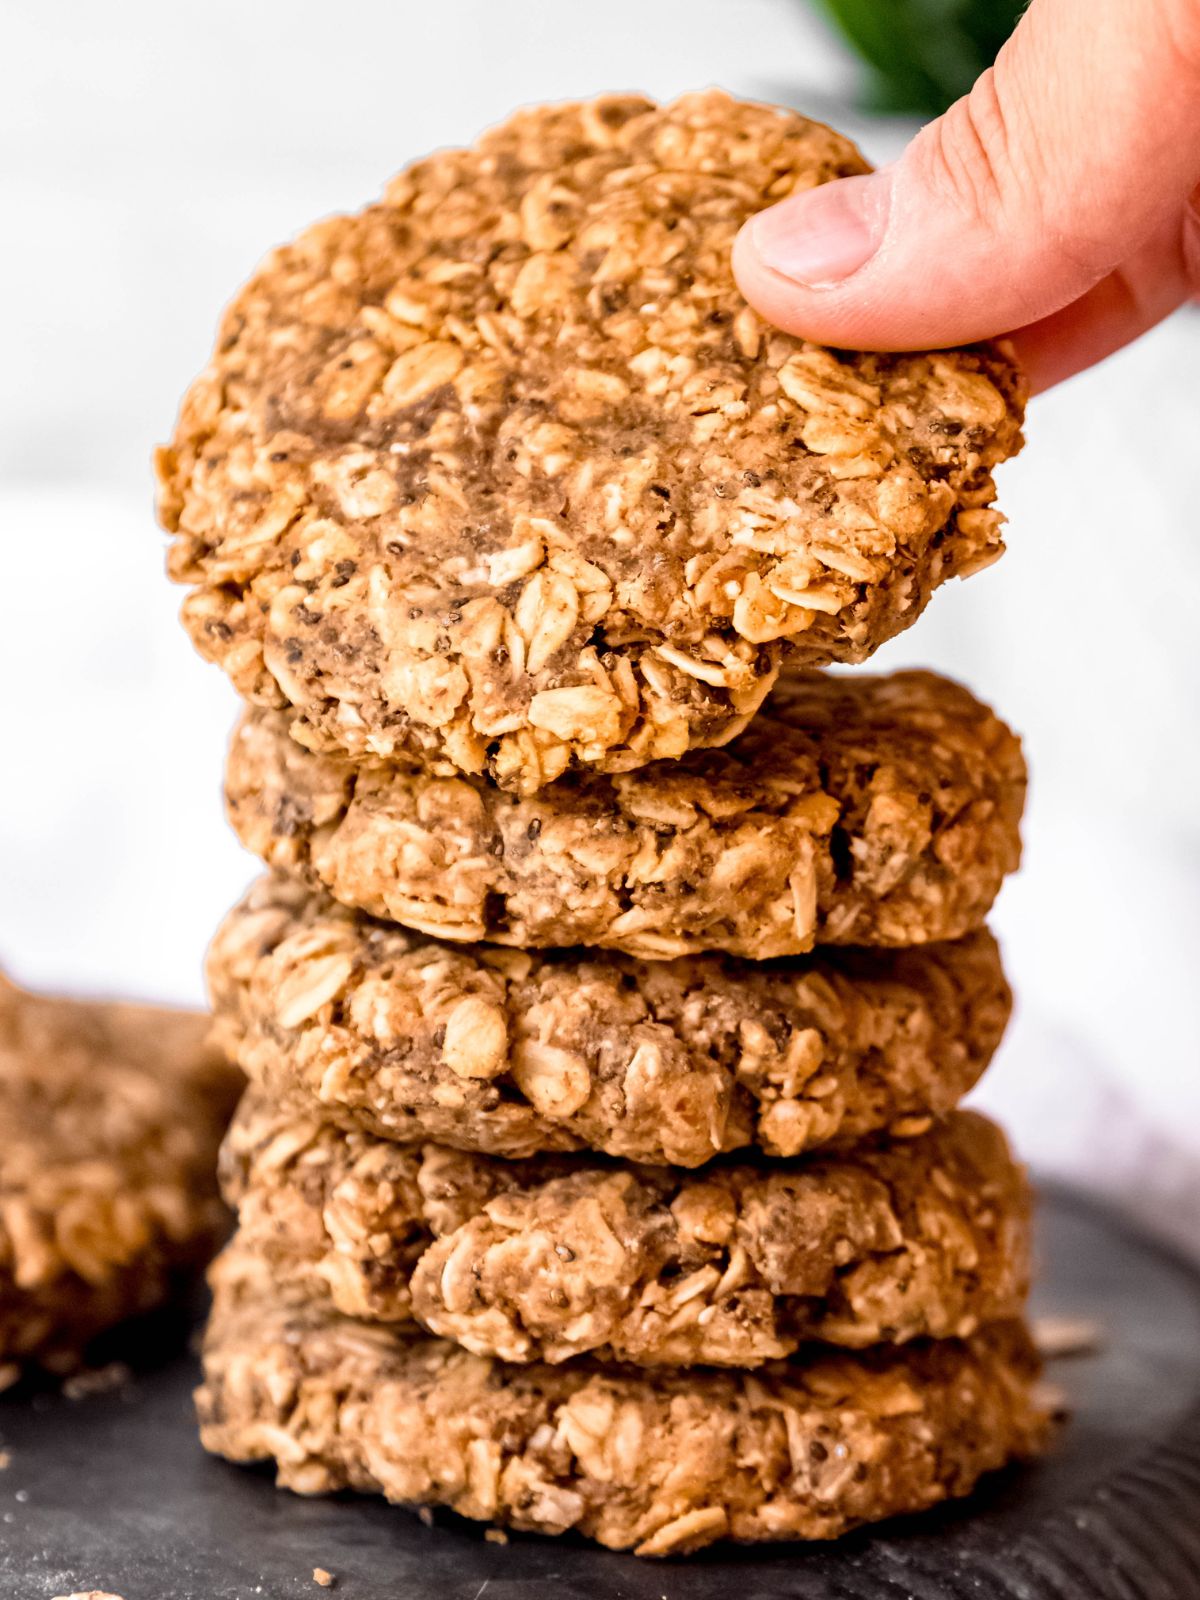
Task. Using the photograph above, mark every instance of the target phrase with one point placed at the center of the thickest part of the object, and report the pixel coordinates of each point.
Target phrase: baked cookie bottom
(512, 1052)
(110, 1119)
(661, 1463)
(555, 1257)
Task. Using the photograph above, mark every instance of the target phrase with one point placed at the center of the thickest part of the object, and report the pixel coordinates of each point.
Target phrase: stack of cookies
(618, 974)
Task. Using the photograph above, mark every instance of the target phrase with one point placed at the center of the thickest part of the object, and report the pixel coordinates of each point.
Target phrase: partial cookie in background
(511, 1051)
(660, 1462)
(110, 1119)
(503, 472)
(854, 810)
(563, 1256)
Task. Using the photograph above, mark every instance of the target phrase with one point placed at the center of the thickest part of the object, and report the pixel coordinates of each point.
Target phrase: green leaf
(924, 54)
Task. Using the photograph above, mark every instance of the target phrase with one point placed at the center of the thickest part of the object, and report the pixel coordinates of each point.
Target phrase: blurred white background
(150, 152)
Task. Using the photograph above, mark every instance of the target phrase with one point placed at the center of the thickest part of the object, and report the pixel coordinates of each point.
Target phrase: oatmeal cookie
(661, 1462)
(547, 1259)
(511, 1051)
(503, 472)
(861, 810)
(110, 1118)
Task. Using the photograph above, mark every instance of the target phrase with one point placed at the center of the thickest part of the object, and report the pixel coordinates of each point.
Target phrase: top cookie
(503, 471)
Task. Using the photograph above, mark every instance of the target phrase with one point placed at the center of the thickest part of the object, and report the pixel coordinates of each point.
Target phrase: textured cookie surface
(511, 1051)
(864, 810)
(659, 1462)
(548, 1259)
(504, 472)
(110, 1118)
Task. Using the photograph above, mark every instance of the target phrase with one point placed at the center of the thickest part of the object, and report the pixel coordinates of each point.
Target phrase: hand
(1059, 202)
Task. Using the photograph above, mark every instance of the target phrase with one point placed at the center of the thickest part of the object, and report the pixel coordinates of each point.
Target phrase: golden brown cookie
(660, 1462)
(110, 1118)
(560, 1256)
(511, 1051)
(503, 472)
(860, 810)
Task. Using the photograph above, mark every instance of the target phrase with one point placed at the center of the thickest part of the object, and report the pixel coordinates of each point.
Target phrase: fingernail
(822, 236)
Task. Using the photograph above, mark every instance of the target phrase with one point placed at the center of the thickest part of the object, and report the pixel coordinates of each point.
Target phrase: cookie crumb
(496, 1536)
(426, 1515)
(1067, 1336)
(5, 1460)
(9, 1373)
(325, 1579)
(1052, 1400)
(96, 1380)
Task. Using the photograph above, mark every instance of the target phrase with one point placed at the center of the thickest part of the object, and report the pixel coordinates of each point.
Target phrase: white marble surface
(149, 153)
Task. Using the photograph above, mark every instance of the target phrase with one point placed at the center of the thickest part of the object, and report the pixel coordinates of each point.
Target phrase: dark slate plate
(113, 1492)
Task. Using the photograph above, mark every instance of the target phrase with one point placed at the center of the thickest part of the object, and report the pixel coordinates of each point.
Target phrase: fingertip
(749, 275)
(883, 300)
(777, 299)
